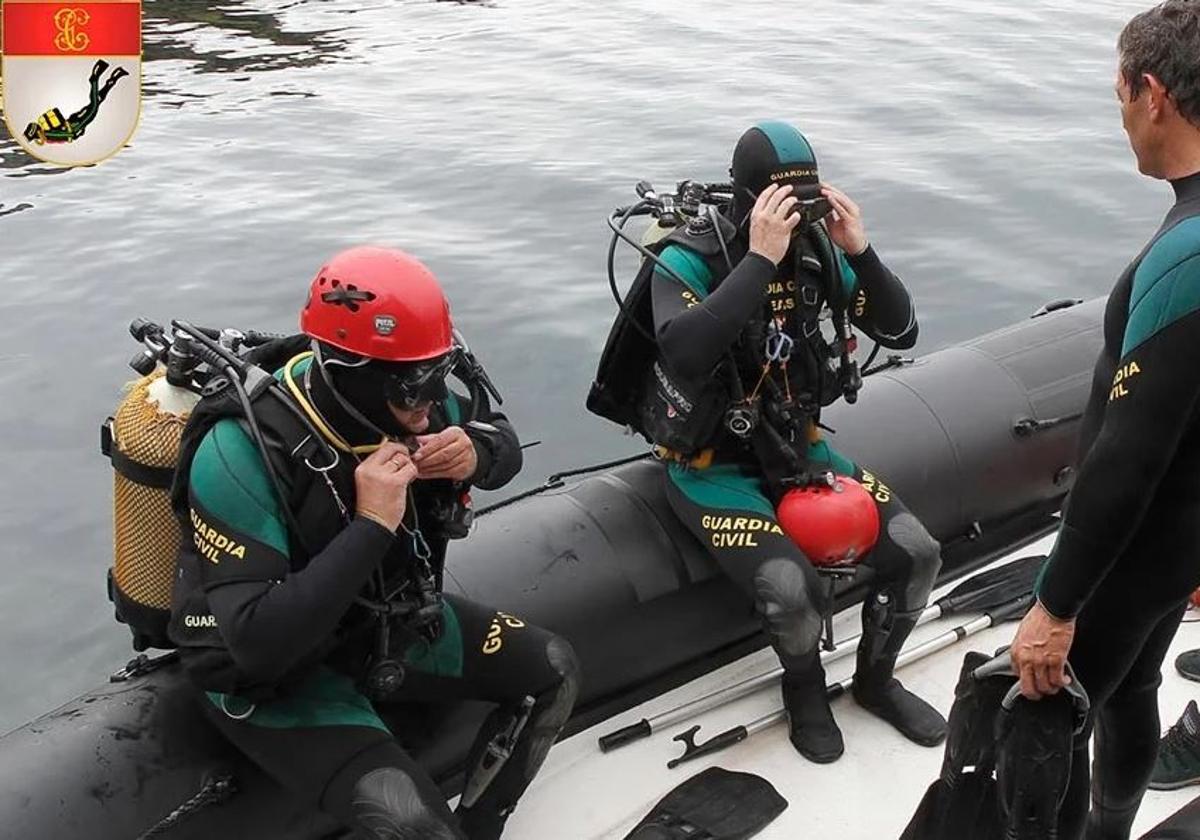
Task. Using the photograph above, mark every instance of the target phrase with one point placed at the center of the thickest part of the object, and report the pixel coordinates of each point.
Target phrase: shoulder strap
(290, 441)
(705, 250)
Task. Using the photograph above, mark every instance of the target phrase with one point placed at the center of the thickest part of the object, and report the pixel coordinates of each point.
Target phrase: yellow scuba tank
(142, 441)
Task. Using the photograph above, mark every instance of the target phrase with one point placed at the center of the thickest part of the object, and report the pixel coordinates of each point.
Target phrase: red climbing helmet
(833, 525)
(380, 303)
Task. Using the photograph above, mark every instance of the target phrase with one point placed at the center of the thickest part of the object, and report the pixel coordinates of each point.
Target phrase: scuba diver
(53, 127)
(308, 602)
(734, 377)
(1117, 581)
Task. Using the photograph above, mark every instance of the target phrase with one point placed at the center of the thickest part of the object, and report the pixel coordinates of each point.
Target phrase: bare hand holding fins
(1007, 759)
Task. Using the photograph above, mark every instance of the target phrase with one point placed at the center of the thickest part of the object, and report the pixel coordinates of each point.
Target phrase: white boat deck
(871, 792)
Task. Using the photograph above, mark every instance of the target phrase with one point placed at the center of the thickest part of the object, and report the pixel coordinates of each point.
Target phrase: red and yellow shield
(72, 76)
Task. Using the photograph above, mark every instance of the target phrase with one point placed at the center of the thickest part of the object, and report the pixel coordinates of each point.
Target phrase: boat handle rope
(1027, 426)
(557, 480)
(218, 786)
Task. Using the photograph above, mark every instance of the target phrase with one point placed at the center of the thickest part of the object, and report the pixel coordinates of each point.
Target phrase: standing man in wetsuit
(305, 619)
(1116, 584)
(742, 370)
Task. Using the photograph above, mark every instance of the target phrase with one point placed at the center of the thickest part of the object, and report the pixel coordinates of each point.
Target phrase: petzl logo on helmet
(72, 77)
(385, 324)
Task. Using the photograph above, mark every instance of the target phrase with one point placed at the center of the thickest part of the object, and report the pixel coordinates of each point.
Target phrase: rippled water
(982, 139)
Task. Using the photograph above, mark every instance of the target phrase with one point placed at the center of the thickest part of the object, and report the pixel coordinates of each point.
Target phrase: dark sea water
(982, 139)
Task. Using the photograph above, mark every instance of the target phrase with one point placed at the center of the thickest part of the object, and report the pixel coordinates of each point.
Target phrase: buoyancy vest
(318, 480)
(636, 387)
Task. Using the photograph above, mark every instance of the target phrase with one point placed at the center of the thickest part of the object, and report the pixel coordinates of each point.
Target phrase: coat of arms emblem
(72, 77)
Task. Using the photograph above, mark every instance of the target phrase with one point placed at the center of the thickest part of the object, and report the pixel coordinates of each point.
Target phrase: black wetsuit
(1126, 557)
(281, 646)
(730, 504)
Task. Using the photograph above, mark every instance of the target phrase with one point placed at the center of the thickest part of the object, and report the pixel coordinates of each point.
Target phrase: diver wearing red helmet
(307, 619)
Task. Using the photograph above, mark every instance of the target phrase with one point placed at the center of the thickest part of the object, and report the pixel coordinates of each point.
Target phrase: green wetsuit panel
(323, 698)
(229, 479)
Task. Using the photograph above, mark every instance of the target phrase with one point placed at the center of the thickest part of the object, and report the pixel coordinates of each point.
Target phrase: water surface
(982, 139)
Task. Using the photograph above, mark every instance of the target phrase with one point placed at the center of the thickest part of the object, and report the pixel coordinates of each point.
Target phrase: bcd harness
(313, 476)
(745, 402)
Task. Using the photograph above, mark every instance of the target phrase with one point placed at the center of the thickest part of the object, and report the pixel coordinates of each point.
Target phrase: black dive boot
(814, 732)
(880, 693)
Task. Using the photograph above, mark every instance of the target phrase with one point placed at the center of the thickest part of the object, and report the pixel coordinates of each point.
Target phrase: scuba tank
(628, 366)
(143, 445)
(51, 122)
(142, 441)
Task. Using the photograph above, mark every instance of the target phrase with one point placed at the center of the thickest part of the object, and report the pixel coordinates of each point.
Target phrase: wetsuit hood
(363, 388)
(772, 152)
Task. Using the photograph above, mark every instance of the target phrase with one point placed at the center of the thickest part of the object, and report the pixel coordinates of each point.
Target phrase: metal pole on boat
(728, 694)
(737, 734)
(989, 589)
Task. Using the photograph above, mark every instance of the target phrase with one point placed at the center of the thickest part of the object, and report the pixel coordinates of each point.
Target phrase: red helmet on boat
(834, 525)
(380, 303)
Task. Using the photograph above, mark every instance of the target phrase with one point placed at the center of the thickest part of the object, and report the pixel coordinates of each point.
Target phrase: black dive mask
(411, 384)
(811, 206)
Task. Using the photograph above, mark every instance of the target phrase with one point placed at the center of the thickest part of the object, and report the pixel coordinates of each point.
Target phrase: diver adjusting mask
(811, 206)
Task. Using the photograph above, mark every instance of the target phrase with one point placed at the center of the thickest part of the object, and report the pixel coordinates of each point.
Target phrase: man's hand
(381, 484)
(772, 222)
(845, 223)
(1039, 652)
(448, 454)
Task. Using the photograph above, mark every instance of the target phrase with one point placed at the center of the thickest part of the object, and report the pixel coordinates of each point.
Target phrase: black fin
(715, 803)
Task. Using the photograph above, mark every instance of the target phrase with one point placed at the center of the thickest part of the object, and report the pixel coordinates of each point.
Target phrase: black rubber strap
(138, 473)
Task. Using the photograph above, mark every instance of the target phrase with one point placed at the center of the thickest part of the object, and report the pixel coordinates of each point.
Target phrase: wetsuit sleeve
(498, 452)
(880, 305)
(1151, 404)
(696, 325)
(269, 616)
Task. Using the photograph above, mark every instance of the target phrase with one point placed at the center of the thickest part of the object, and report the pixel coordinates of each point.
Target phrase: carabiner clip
(308, 439)
(779, 346)
(420, 547)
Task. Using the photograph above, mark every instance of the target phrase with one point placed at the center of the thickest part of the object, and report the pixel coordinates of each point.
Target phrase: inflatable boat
(979, 439)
